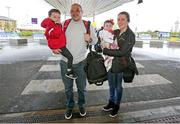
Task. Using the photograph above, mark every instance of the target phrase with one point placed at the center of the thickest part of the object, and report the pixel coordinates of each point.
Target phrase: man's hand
(56, 51)
(87, 38)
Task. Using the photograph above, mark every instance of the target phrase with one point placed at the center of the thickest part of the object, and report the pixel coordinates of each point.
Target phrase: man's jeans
(115, 87)
(80, 83)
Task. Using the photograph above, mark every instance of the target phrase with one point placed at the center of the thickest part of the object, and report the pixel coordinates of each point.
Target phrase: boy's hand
(56, 51)
(58, 21)
(53, 19)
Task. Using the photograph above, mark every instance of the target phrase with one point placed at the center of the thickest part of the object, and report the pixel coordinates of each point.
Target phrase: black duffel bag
(95, 69)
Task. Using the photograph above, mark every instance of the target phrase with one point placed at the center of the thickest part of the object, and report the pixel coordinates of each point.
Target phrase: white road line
(48, 68)
(56, 85)
(139, 65)
(54, 58)
(43, 86)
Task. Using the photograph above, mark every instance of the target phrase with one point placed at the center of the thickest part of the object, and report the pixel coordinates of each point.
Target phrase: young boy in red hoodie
(56, 38)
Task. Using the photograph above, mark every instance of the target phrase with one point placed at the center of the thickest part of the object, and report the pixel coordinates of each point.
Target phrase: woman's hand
(56, 51)
(104, 45)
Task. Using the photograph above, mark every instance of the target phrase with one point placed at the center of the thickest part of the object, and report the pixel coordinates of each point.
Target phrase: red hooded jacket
(54, 34)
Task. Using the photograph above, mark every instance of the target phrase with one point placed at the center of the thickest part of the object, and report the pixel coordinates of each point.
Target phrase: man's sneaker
(71, 75)
(68, 114)
(114, 112)
(109, 106)
(82, 111)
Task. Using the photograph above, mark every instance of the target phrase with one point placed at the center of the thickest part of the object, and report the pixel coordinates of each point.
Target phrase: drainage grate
(47, 118)
(56, 117)
(171, 119)
(33, 119)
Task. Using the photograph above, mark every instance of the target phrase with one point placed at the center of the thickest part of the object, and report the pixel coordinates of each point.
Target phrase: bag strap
(66, 23)
(88, 31)
(98, 44)
(87, 25)
(99, 32)
(99, 39)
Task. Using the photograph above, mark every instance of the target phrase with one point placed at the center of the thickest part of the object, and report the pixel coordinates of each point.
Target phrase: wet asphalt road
(20, 64)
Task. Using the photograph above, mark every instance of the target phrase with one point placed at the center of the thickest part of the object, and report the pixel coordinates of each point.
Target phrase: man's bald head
(76, 12)
(76, 5)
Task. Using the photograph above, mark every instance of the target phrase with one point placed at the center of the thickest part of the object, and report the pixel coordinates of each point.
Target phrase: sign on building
(34, 20)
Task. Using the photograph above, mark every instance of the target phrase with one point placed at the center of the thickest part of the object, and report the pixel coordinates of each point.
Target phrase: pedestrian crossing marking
(49, 68)
(56, 85)
(54, 58)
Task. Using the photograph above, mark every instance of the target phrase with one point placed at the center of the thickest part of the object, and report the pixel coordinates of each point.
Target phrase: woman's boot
(114, 112)
(109, 106)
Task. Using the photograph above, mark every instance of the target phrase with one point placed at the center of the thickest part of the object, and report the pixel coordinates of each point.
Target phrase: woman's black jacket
(125, 42)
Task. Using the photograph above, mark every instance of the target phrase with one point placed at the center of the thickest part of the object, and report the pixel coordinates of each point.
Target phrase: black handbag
(128, 75)
(119, 64)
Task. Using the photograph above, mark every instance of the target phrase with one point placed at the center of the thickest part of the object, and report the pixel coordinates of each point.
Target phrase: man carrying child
(76, 43)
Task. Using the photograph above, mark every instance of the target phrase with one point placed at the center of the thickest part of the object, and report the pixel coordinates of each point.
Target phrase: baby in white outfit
(106, 34)
(107, 41)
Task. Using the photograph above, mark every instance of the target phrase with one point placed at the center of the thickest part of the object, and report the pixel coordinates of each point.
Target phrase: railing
(8, 35)
(38, 36)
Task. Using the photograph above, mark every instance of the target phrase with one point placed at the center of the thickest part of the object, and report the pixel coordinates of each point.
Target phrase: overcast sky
(151, 15)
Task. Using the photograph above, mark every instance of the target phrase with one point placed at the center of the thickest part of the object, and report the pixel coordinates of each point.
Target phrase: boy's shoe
(109, 106)
(114, 112)
(71, 75)
(68, 114)
(82, 111)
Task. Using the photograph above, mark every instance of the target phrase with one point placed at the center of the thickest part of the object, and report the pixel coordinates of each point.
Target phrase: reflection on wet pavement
(36, 50)
(158, 49)
(30, 51)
